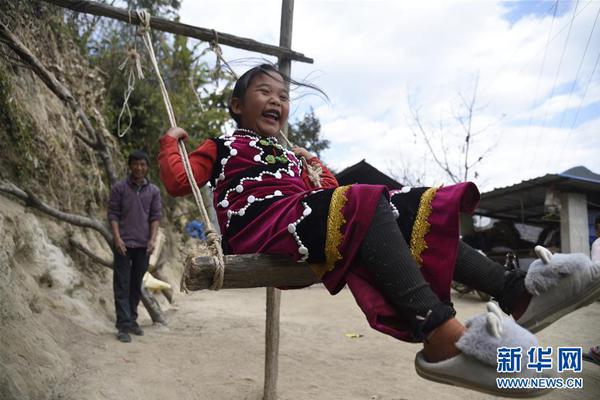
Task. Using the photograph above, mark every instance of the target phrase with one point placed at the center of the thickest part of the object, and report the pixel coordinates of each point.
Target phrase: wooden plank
(249, 271)
(165, 25)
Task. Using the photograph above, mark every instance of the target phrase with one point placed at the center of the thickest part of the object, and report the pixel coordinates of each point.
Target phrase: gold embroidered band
(334, 237)
(421, 225)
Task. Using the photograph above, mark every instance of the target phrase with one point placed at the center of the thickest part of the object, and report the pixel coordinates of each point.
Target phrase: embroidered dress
(265, 206)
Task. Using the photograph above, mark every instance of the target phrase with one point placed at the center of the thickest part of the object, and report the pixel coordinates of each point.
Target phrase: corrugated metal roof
(524, 201)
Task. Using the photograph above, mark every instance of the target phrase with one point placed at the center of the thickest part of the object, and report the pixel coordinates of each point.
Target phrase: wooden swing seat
(248, 271)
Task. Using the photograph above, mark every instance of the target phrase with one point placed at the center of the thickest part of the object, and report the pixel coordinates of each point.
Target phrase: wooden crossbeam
(165, 25)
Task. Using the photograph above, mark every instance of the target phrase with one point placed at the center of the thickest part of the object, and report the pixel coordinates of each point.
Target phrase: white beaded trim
(247, 131)
(303, 250)
(293, 160)
(274, 142)
(250, 200)
(240, 188)
(404, 189)
(230, 139)
(254, 138)
(394, 210)
(227, 141)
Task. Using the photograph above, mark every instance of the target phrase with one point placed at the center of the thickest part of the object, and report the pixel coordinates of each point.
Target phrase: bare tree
(458, 166)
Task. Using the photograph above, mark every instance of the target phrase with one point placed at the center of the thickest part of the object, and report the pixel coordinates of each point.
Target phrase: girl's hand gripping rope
(314, 171)
(302, 152)
(177, 133)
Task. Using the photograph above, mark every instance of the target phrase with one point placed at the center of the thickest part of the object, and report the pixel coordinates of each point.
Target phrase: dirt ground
(213, 348)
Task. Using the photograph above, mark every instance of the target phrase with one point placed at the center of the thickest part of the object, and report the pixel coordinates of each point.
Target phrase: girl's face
(265, 106)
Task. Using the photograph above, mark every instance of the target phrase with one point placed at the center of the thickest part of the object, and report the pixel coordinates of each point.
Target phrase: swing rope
(214, 239)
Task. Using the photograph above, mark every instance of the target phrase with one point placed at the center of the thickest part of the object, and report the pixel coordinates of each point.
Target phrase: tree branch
(85, 140)
(152, 307)
(32, 201)
(469, 106)
(424, 135)
(76, 244)
(445, 152)
(459, 167)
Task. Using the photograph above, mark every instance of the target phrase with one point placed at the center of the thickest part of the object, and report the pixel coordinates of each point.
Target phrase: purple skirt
(329, 236)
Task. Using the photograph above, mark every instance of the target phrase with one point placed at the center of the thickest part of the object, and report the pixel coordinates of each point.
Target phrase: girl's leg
(479, 272)
(385, 252)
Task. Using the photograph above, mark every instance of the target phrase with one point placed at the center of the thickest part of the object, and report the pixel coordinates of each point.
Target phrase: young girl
(397, 251)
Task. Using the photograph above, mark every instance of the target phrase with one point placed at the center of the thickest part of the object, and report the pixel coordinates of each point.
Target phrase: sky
(531, 67)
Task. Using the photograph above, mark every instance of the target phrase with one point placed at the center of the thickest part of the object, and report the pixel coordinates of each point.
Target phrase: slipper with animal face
(559, 284)
(476, 367)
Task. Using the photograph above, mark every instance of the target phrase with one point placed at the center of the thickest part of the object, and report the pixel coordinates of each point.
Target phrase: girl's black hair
(241, 86)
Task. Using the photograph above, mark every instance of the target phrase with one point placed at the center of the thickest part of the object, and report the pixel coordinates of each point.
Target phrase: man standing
(134, 212)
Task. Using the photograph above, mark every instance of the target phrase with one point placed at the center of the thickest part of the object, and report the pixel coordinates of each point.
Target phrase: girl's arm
(172, 173)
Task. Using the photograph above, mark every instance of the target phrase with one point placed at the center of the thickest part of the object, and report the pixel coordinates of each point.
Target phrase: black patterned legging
(386, 254)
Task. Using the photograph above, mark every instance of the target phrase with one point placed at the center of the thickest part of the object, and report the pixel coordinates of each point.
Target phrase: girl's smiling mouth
(272, 114)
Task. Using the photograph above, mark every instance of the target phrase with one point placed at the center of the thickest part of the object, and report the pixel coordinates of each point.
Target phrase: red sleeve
(172, 173)
(327, 178)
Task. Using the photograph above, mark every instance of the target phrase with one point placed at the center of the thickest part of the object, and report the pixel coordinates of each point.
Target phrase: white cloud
(371, 55)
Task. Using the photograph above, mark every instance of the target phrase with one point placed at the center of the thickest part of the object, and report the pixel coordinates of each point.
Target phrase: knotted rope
(133, 65)
(214, 239)
(216, 48)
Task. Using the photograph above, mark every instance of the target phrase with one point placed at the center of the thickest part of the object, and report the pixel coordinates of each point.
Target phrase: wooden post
(273, 294)
(272, 343)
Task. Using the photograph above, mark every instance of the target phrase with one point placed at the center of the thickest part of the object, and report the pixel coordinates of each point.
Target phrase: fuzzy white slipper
(476, 367)
(559, 284)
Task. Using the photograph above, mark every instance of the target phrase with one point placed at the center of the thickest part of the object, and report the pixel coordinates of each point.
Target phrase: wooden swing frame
(242, 271)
